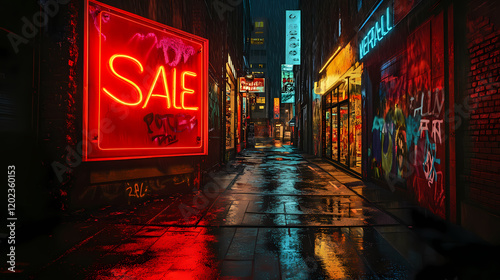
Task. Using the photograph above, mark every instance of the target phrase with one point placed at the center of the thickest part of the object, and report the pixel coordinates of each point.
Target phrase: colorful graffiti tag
(408, 123)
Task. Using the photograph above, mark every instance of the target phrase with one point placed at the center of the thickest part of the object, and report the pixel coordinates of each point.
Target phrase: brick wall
(483, 173)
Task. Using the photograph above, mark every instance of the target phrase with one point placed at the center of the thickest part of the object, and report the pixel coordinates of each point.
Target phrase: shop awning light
(329, 60)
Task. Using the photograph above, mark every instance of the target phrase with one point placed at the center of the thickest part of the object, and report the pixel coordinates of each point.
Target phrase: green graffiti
(386, 156)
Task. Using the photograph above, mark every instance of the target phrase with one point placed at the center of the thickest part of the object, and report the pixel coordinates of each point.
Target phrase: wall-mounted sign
(256, 85)
(287, 84)
(146, 87)
(276, 108)
(376, 32)
(292, 37)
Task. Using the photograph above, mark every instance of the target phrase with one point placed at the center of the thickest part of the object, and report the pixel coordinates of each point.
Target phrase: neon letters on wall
(375, 34)
(146, 87)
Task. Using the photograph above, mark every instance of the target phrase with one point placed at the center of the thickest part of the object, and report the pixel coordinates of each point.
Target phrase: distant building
(258, 66)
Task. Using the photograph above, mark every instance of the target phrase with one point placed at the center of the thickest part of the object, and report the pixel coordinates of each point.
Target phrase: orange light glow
(187, 90)
(131, 67)
(161, 70)
(111, 60)
(175, 89)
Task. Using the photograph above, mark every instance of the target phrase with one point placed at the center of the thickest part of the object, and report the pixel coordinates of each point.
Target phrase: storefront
(342, 124)
(231, 109)
(341, 109)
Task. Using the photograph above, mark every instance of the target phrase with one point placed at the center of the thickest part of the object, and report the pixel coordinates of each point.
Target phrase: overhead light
(330, 59)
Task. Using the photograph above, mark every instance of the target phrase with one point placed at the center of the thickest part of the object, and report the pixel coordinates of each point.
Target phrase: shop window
(229, 115)
(335, 132)
(342, 125)
(342, 92)
(335, 96)
(344, 133)
(355, 127)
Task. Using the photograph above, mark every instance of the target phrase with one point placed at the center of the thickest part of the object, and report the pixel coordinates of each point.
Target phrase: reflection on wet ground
(282, 217)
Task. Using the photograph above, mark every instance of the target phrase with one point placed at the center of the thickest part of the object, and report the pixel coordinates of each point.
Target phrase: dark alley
(250, 139)
(272, 214)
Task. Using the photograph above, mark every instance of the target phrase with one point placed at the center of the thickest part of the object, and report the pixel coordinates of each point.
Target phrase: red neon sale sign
(146, 87)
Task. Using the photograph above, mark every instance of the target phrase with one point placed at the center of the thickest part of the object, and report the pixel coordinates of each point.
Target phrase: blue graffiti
(412, 130)
(429, 160)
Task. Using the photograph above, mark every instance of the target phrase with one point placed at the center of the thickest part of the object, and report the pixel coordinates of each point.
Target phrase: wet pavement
(272, 214)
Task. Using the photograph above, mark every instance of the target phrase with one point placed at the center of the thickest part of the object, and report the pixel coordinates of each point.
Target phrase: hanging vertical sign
(287, 84)
(292, 37)
(276, 108)
(146, 87)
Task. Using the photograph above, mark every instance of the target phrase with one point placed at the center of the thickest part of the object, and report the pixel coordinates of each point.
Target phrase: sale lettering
(171, 96)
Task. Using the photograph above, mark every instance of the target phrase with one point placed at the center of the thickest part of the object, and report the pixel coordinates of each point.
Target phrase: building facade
(46, 122)
(260, 102)
(403, 94)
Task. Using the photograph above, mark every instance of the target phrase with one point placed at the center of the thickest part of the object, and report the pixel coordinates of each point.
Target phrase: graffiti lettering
(168, 125)
(436, 129)
(181, 50)
(424, 126)
(165, 139)
(434, 103)
(137, 191)
(412, 130)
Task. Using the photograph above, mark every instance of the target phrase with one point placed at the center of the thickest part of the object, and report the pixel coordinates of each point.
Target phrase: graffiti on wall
(134, 190)
(213, 106)
(408, 124)
(164, 132)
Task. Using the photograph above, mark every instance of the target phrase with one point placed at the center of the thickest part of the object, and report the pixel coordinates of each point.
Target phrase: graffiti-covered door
(407, 130)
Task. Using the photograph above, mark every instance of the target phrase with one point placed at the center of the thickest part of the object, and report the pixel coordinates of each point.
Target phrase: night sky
(274, 11)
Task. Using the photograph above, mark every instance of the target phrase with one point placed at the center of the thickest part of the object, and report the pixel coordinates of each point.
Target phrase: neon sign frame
(189, 94)
(375, 34)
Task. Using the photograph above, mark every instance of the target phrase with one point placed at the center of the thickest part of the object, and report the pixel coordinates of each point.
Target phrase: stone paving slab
(278, 216)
